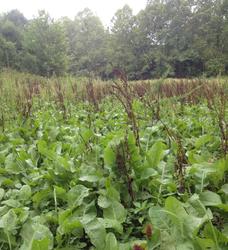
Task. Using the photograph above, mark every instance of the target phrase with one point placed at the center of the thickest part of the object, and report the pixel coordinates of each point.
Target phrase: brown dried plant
(123, 92)
(59, 91)
(90, 90)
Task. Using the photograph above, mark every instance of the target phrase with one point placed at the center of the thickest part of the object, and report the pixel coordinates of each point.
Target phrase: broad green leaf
(186, 223)
(158, 217)
(115, 211)
(89, 178)
(109, 156)
(223, 207)
(202, 140)
(175, 209)
(224, 189)
(103, 201)
(71, 226)
(43, 150)
(25, 193)
(206, 244)
(87, 134)
(76, 195)
(2, 192)
(36, 237)
(116, 225)
(185, 246)
(22, 214)
(63, 215)
(155, 154)
(111, 242)
(60, 193)
(42, 196)
(8, 221)
(87, 217)
(211, 232)
(111, 192)
(12, 203)
(69, 223)
(97, 234)
(209, 198)
(12, 166)
(220, 167)
(147, 173)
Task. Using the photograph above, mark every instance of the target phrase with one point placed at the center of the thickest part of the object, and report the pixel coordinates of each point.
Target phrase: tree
(122, 40)
(11, 34)
(45, 46)
(8, 53)
(208, 24)
(224, 35)
(174, 38)
(153, 27)
(87, 43)
(17, 18)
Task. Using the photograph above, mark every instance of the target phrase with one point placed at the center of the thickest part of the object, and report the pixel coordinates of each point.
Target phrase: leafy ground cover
(129, 167)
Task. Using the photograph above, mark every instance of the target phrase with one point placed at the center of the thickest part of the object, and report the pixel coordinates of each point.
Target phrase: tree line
(173, 38)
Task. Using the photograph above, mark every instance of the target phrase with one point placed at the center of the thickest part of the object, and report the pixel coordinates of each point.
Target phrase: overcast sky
(105, 9)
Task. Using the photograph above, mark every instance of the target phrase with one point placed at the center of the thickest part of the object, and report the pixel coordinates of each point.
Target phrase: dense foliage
(113, 166)
(168, 38)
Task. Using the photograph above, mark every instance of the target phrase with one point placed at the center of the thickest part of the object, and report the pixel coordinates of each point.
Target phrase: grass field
(117, 165)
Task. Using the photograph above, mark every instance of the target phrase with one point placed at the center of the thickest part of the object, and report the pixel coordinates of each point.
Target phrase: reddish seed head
(148, 231)
(138, 247)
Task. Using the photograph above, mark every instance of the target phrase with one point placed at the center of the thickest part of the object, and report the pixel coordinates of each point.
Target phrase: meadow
(116, 165)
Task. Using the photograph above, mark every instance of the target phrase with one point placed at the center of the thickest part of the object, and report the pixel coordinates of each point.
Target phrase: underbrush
(113, 166)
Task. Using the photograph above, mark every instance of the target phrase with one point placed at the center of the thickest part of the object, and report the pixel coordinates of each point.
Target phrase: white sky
(105, 9)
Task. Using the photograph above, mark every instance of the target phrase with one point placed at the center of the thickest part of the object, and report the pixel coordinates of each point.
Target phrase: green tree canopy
(174, 38)
(45, 46)
(87, 43)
